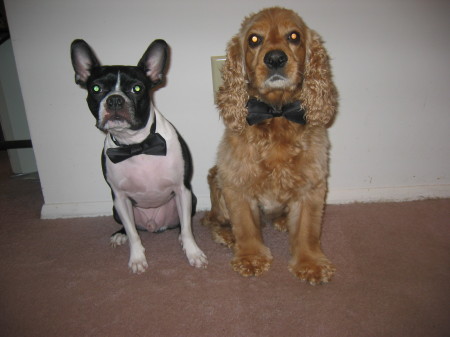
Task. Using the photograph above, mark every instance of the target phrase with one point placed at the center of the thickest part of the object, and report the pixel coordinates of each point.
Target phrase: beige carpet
(61, 278)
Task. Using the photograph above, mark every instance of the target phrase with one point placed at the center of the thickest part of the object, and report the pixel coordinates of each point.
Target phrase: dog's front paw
(138, 262)
(197, 259)
(194, 254)
(313, 271)
(251, 265)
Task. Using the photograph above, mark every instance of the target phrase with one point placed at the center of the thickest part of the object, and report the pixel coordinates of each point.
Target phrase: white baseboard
(365, 195)
(388, 194)
(94, 209)
(345, 196)
(76, 210)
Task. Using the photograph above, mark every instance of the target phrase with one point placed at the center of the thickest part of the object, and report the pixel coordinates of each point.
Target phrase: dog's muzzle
(116, 113)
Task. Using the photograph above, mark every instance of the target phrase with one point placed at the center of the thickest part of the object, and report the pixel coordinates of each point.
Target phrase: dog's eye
(294, 37)
(96, 88)
(137, 89)
(254, 40)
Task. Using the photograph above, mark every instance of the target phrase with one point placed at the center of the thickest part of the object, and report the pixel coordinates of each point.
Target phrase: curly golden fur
(276, 170)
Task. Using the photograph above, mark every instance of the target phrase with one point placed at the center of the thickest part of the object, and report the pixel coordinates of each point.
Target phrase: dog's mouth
(276, 78)
(117, 116)
(115, 120)
(277, 81)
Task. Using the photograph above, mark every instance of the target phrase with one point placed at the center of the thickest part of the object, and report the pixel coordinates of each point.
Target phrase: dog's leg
(217, 218)
(193, 253)
(308, 262)
(251, 256)
(138, 262)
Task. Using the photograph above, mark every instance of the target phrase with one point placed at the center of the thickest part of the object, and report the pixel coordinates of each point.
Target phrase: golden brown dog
(276, 168)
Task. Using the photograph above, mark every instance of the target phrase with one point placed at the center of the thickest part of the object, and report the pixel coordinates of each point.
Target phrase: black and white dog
(145, 161)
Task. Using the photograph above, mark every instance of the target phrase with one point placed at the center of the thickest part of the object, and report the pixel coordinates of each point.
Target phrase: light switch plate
(216, 65)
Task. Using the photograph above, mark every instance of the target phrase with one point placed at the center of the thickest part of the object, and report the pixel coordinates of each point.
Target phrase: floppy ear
(83, 60)
(154, 61)
(232, 96)
(319, 95)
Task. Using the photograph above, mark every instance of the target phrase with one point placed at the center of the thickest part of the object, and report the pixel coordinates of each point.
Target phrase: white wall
(391, 66)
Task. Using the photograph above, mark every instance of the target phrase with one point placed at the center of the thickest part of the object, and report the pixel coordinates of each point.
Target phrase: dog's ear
(232, 96)
(319, 95)
(83, 60)
(154, 61)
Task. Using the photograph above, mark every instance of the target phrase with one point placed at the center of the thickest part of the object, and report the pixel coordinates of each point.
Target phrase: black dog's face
(119, 96)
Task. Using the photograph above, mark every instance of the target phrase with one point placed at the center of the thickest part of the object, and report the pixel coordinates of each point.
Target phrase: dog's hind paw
(281, 225)
(118, 239)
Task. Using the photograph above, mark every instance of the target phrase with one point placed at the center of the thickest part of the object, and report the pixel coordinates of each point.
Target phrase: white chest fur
(150, 181)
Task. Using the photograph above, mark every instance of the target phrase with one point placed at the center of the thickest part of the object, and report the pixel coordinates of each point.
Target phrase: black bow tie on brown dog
(259, 111)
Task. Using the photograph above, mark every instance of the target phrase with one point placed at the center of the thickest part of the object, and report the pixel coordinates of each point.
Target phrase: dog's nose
(275, 59)
(115, 102)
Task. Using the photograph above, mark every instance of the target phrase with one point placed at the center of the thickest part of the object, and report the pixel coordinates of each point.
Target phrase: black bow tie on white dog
(259, 111)
(154, 145)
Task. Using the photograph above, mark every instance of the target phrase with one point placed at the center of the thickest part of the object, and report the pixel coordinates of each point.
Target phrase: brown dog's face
(274, 45)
